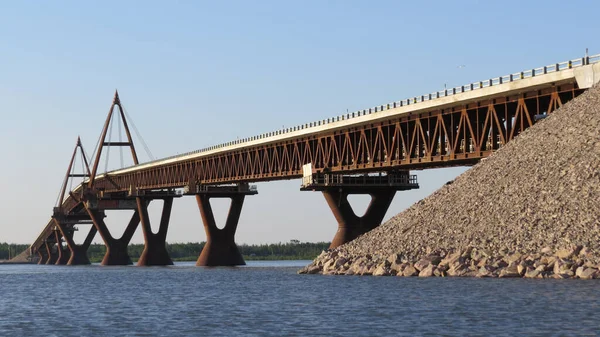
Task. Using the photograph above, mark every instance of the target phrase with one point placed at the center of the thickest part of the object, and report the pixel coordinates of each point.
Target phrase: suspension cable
(60, 190)
(120, 121)
(71, 173)
(95, 149)
(83, 170)
(110, 127)
(139, 136)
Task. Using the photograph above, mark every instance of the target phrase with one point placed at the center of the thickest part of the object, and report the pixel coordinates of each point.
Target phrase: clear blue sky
(197, 73)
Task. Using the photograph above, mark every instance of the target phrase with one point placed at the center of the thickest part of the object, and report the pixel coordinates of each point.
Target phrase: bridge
(369, 151)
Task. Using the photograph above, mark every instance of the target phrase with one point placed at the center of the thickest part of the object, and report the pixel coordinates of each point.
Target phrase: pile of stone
(576, 262)
(531, 209)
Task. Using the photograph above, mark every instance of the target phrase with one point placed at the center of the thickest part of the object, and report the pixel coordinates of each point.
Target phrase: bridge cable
(95, 149)
(58, 196)
(71, 173)
(83, 170)
(120, 121)
(110, 127)
(139, 136)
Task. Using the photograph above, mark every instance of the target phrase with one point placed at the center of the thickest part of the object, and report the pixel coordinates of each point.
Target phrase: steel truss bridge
(369, 151)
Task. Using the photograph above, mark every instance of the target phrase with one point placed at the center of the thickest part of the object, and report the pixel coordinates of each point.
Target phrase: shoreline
(576, 262)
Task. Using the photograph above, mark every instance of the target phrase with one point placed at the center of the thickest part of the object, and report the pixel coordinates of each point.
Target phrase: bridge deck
(456, 127)
(564, 72)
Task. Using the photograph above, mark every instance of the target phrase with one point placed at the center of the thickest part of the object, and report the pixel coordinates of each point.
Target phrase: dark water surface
(270, 299)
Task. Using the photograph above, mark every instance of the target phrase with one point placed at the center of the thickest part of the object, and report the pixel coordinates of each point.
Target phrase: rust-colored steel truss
(453, 136)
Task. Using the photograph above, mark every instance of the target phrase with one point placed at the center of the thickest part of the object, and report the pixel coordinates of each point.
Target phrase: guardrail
(410, 101)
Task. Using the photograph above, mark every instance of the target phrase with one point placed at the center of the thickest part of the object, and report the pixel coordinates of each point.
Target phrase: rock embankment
(532, 209)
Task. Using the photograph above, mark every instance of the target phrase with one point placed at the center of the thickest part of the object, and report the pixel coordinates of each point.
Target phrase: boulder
(532, 273)
(382, 270)
(458, 269)
(483, 272)
(422, 264)
(452, 258)
(394, 259)
(568, 252)
(511, 271)
(410, 271)
(427, 271)
(515, 257)
(588, 273)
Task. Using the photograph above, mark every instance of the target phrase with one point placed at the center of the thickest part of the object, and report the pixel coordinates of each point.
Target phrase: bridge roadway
(454, 127)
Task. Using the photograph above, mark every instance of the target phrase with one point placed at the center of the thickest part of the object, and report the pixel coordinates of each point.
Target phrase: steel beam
(63, 252)
(456, 135)
(52, 255)
(43, 255)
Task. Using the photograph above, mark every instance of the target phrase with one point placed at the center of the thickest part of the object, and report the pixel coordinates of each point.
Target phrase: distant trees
(10, 250)
(293, 250)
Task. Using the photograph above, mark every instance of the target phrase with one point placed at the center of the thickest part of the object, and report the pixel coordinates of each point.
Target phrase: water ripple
(268, 299)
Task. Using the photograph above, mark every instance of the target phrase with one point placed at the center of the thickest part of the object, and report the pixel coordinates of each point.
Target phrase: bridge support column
(63, 252)
(155, 250)
(116, 249)
(78, 252)
(350, 226)
(52, 255)
(43, 255)
(381, 186)
(220, 248)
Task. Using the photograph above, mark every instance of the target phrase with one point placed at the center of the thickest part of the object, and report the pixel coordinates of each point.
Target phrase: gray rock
(427, 271)
(410, 271)
(422, 264)
(510, 272)
(588, 273)
(382, 270)
(532, 273)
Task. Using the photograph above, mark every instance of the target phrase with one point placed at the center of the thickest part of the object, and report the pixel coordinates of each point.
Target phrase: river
(268, 298)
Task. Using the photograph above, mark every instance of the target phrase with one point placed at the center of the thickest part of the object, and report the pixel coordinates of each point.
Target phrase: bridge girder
(454, 136)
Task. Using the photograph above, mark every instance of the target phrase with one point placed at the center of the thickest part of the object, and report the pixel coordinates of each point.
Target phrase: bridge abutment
(220, 248)
(155, 249)
(336, 188)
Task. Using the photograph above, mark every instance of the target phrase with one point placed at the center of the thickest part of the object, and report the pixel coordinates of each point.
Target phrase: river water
(270, 299)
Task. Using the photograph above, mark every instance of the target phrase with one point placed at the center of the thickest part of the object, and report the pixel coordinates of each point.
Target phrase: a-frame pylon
(103, 143)
(66, 218)
(70, 175)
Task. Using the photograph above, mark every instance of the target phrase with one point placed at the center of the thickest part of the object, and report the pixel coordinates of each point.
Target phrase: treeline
(293, 250)
(8, 251)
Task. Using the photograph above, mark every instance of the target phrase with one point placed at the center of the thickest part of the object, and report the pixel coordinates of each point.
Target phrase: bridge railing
(406, 102)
